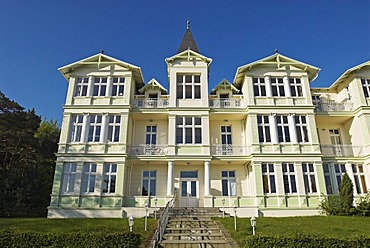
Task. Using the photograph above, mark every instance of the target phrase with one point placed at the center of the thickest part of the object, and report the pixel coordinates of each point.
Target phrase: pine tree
(346, 194)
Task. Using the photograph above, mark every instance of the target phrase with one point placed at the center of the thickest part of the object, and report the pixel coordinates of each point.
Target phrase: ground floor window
(88, 178)
(149, 183)
(268, 178)
(69, 177)
(289, 179)
(359, 176)
(228, 183)
(110, 175)
(309, 178)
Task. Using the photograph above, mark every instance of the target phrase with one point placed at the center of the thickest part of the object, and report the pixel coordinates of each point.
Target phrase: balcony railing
(225, 103)
(333, 106)
(228, 150)
(342, 150)
(150, 103)
(148, 150)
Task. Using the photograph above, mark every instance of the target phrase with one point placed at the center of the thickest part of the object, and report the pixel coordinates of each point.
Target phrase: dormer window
(188, 86)
(366, 87)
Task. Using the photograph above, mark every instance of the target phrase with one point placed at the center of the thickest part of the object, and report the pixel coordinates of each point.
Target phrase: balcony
(333, 106)
(229, 150)
(151, 103)
(342, 150)
(225, 103)
(148, 150)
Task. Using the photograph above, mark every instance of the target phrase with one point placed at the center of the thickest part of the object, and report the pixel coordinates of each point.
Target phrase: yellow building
(267, 143)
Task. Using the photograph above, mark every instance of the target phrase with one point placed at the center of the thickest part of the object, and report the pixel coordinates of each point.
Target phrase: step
(195, 243)
(193, 236)
(192, 230)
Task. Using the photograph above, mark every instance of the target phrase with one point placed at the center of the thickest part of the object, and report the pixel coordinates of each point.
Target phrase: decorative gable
(153, 86)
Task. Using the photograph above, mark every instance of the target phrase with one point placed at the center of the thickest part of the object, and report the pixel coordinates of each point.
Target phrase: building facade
(268, 143)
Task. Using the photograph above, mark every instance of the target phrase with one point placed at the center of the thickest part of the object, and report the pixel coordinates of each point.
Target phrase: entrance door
(189, 189)
(336, 141)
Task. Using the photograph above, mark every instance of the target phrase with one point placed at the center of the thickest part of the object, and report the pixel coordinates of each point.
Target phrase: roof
(348, 72)
(153, 84)
(189, 55)
(280, 60)
(188, 41)
(223, 85)
(99, 60)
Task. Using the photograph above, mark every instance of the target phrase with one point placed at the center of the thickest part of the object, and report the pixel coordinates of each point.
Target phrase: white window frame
(268, 178)
(366, 87)
(100, 86)
(88, 178)
(264, 130)
(69, 178)
(109, 178)
(259, 87)
(309, 178)
(295, 87)
(95, 128)
(82, 85)
(277, 87)
(330, 189)
(151, 135)
(339, 170)
(151, 179)
(76, 128)
(283, 132)
(301, 128)
(186, 81)
(189, 123)
(230, 179)
(289, 178)
(118, 86)
(360, 179)
(114, 128)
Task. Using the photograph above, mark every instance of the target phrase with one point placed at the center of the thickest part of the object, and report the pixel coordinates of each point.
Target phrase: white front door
(189, 189)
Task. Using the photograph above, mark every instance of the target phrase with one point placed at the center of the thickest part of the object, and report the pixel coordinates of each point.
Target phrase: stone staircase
(193, 227)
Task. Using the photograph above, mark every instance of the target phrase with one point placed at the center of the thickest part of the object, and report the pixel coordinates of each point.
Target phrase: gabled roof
(101, 59)
(189, 55)
(152, 84)
(280, 60)
(348, 72)
(224, 84)
(188, 42)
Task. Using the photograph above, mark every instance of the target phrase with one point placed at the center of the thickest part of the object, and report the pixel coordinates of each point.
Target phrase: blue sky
(37, 37)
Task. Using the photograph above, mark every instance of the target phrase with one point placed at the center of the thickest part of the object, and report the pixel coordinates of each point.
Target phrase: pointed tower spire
(188, 41)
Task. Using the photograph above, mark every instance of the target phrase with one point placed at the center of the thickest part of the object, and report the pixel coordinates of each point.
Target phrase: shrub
(346, 193)
(363, 208)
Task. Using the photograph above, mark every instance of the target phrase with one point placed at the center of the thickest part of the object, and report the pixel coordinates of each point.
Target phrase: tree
(346, 193)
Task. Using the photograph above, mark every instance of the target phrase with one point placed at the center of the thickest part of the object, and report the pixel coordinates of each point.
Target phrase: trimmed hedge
(9, 238)
(305, 241)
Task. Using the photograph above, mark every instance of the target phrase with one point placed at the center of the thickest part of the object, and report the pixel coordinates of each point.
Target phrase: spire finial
(276, 50)
(188, 23)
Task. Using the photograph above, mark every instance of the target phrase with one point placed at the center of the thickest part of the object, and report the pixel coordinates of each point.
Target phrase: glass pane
(92, 183)
(264, 168)
(188, 136)
(197, 121)
(198, 135)
(184, 188)
(189, 174)
(105, 184)
(265, 184)
(153, 187)
(193, 188)
(145, 187)
(313, 183)
(153, 173)
(188, 120)
(232, 186)
(272, 184)
(145, 173)
(106, 168)
(114, 168)
(231, 173)
(271, 168)
(224, 173)
(113, 184)
(293, 184)
(286, 184)
(306, 184)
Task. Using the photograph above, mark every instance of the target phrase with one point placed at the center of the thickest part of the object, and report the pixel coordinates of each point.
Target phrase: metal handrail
(163, 221)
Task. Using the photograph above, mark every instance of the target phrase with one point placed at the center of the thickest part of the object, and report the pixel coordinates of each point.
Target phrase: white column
(104, 128)
(108, 92)
(85, 127)
(206, 178)
(90, 86)
(287, 87)
(292, 130)
(273, 129)
(170, 178)
(268, 86)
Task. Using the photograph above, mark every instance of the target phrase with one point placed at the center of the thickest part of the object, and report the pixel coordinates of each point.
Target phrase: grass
(328, 226)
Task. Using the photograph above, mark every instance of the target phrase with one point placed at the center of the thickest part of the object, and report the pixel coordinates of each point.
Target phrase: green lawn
(329, 226)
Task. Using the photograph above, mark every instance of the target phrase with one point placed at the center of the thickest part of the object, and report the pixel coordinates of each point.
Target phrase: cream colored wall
(216, 178)
(140, 131)
(136, 178)
(356, 131)
(324, 136)
(183, 166)
(237, 137)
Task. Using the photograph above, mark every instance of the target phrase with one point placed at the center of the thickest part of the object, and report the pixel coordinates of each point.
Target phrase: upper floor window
(81, 86)
(188, 130)
(301, 128)
(277, 87)
(268, 178)
(151, 135)
(263, 128)
(283, 128)
(95, 128)
(295, 87)
(114, 127)
(188, 86)
(309, 178)
(118, 86)
(149, 183)
(366, 87)
(88, 178)
(259, 87)
(290, 185)
(109, 181)
(100, 86)
(76, 128)
(228, 183)
(69, 176)
(359, 176)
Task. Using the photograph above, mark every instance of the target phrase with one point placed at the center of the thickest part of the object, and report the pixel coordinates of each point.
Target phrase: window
(110, 175)
(114, 126)
(295, 87)
(339, 170)
(188, 130)
(259, 87)
(88, 178)
(366, 87)
(289, 178)
(100, 86)
(301, 128)
(309, 178)
(328, 184)
(228, 183)
(283, 128)
(69, 176)
(277, 87)
(118, 86)
(94, 128)
(151, 135)
(268, 178)
(81, 86)
(226, 141)
(359, 176)
(76, 128)
(149, 183)
(188, 86)
(263, 128)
